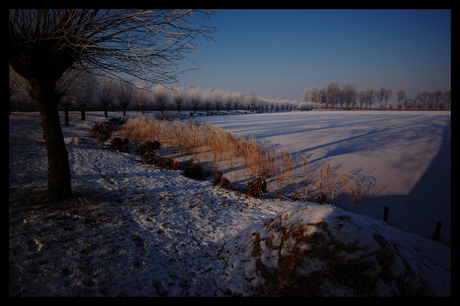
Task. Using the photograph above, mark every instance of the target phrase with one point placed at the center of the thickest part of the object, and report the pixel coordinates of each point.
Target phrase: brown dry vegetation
(259, 159)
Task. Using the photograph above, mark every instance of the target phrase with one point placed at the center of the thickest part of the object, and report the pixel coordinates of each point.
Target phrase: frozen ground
(133, 230)
(404, 158)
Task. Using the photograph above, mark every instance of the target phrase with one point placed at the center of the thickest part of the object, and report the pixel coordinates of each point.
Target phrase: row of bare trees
(347, 96)
(161, 97)
(80, 89)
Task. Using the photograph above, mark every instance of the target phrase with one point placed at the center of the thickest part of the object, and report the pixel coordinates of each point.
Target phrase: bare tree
(380, 96)
(315, 94)
(252, 100)
(194, 94)
(349, 95)
(447, 97)
(323, 96)
(87, 88)
(144, 44)
(332, 93)
(125, 94)
(305, 95)
(430, 103)
(362, 98)
(207, 99)
(423, 98)
(177, 96)
(387, 95)
(369, 96)
(105, 93)
(160, 97)
(340, 99)
(263, 103)
(143, 95)
(228, 99)
(401, 95)
(237, 98)
(217, 98)
(436, 97)
(67, 89)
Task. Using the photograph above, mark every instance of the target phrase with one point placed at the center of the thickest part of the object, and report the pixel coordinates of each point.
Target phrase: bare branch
(144, 44)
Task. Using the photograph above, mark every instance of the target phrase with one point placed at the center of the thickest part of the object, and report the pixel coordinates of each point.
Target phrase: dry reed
(259, 159)
(192, 137)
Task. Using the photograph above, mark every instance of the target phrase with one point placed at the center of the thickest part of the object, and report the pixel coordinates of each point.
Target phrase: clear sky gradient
(279, 53)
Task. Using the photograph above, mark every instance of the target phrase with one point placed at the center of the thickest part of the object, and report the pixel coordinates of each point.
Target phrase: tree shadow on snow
(429, 200)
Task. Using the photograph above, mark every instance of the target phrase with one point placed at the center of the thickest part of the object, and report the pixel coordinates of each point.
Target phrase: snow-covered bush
(442, 104)
(430, 104)
(303, 105)
(419, 104)
(409, 104)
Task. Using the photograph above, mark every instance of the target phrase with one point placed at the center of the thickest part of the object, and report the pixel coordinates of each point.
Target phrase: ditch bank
(149, 153)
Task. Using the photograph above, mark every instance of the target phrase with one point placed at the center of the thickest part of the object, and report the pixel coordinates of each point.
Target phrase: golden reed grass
(260, 159)
(192, 137)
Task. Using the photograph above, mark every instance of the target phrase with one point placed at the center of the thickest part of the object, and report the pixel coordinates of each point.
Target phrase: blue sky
(279, 53)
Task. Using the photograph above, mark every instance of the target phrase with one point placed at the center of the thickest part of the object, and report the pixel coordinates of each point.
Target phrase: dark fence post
(385, 214)
(437, 233)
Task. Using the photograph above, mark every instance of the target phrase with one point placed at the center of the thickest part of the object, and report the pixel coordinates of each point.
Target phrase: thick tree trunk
(42, 65)
(59, 180)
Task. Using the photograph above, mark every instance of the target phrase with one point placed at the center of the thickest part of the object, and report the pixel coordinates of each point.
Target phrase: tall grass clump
(193, 137)
(328, 183)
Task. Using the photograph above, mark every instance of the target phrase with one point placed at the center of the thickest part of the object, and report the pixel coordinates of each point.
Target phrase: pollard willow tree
(143, 44)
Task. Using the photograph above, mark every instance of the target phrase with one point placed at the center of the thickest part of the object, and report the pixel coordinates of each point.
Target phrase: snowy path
(127, 216)
(134, 230)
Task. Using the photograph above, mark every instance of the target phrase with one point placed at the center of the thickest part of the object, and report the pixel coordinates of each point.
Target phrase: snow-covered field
(132, 229)
(404, 158)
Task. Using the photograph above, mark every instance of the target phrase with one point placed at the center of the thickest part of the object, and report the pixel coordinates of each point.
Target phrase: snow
(384, 253)
(404, 158)
(134, 230)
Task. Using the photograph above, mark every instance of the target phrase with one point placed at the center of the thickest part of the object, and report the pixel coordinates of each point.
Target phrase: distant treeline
(88, 92)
